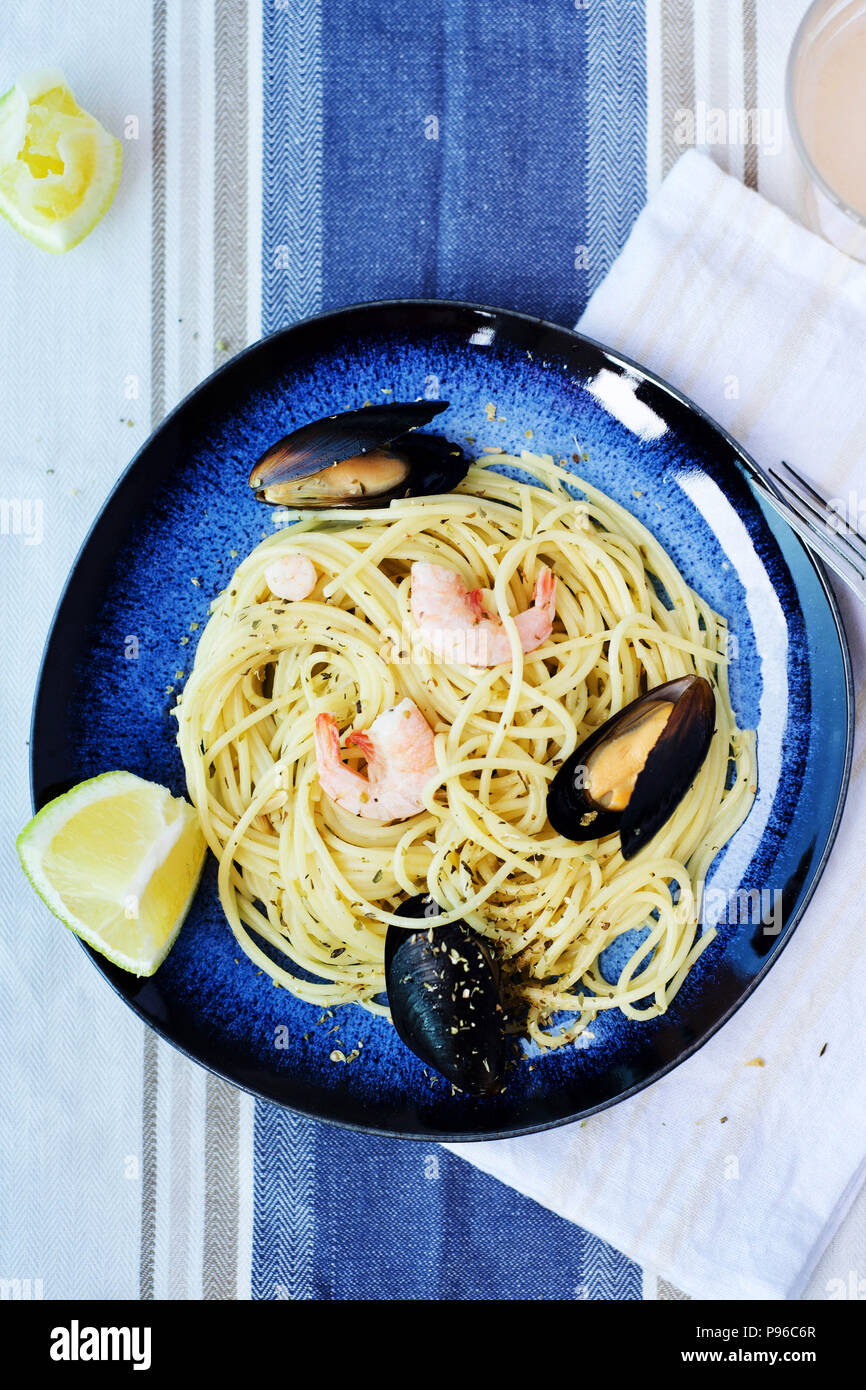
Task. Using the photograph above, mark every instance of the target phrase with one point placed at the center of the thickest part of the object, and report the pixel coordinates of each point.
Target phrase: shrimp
(291, 577)
(398, 747)
(454, 625)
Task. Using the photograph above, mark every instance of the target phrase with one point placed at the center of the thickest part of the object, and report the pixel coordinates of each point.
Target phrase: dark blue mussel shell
(672, 765)
(443, 989)
(375, 453)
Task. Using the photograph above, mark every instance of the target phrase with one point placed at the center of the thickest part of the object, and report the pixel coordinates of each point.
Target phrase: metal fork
(808, 512)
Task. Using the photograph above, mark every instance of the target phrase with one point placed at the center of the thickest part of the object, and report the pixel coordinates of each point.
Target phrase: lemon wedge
(59, 168)
(118, 860)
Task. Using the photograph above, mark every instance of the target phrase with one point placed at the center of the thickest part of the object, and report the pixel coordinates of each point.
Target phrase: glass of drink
(826, 101)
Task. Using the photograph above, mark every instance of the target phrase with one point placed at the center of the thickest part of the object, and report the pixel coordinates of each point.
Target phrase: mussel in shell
(362, 458)
(443, 989)
(633, 772)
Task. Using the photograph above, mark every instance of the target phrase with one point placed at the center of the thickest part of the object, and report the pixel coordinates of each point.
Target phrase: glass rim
(790, 105)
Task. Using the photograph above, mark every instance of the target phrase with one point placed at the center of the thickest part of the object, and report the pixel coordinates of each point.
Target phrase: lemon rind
(38, 833)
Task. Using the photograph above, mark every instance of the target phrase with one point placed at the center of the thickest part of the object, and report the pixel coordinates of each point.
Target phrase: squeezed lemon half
(59, 168)
(118, 860)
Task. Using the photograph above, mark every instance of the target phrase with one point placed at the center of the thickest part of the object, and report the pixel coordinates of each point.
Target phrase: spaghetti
(320, 886)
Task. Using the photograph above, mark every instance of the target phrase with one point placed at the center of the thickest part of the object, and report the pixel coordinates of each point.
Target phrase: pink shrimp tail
(544, 595)
(348, 789)
(361, 739)
(536, 623)
(326, 737)
(475, 603)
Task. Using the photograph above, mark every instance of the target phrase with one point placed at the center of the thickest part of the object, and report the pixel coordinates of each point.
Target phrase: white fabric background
(74, 328)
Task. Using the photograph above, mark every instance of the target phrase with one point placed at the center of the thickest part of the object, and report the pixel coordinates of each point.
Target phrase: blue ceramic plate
(165, 544)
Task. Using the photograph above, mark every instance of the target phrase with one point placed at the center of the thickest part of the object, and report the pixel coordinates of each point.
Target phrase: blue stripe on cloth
(616, 132)
(454, 152)
(536, 150)
(291, 162)
(400, 1220)
(284, 1205)
(384, 74)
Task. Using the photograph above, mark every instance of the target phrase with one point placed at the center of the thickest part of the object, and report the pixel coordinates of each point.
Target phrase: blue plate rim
(750, 467)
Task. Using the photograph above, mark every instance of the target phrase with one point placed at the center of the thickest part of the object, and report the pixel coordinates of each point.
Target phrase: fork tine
(816, 540)
(848, 540)
(798, 480)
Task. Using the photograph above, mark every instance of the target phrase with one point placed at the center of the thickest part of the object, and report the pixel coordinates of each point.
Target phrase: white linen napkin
(764, 325)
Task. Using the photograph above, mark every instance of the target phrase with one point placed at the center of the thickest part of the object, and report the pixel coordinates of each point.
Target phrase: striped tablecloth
(281, 157)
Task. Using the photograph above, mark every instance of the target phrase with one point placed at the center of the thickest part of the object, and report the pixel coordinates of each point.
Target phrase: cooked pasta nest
(318, 887)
